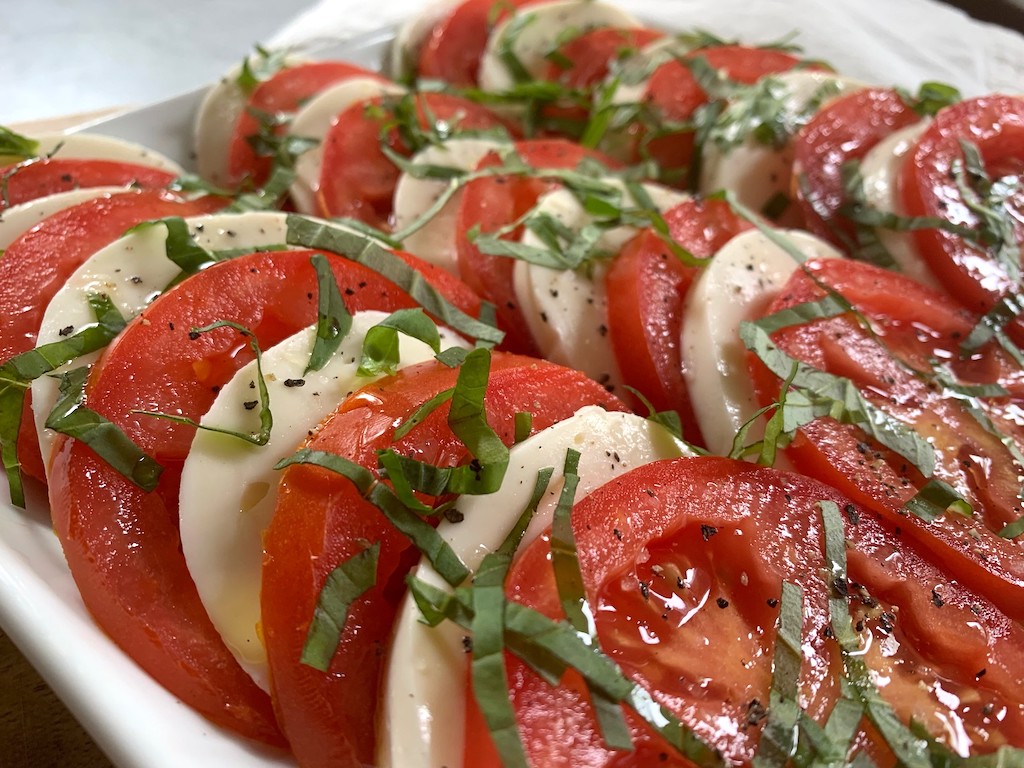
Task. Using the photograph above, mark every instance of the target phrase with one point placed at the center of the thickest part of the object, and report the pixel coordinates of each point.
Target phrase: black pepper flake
(215, 388)
(136, 279)
(860, 625)
(979, 674)
(250, 404)
(841, 586)
(67, 178)
(467, 643)
(170, 326)
(602, 329)
(887, 621)
(295, 382)
(852, 514)
(707, 531)
(252, 385)
(937, 600)
(773, 602)
(193, 335)
(828, 632)
(645, 589)
(617, 533)
(350, 292)
(756, 712)
(453, 516)
(67, 330)
(722, 602)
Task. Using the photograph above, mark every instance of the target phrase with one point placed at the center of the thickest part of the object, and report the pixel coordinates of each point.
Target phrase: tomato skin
(494, 202)
(357, 179)
(686, 557)
(121, 543)
(844, 129)
(44, 176)
(36, 265)
(583, 61)
(285, 92)
(647, 287)
(917, 326)
(320, 521)
(995, 124)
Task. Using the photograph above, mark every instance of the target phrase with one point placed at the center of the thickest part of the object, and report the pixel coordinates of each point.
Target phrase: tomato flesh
(357, 179)
(584, 61)
(686, 558)
(285, 92)
(121, 543)
(912, 328)
(647, 287)
(44, 176)
(36, 265)
(320, 521)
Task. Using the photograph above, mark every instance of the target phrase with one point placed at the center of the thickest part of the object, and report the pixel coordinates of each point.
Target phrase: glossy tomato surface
(42, 176)
(684, 563)
(321, 521)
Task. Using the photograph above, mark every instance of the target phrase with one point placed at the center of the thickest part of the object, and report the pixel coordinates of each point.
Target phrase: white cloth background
(891, 42)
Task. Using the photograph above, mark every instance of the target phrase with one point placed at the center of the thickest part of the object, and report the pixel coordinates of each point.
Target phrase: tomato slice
(453, 50)
(583, 61)
(674, 95)
(913, 327)
(647, 287)
(929, 187)
(122, 543)
(37, 264)
(843, 130)
(321, 521)
(686, 559)
(357, 179)
(285, 92)
(44, 176)
(495, 202)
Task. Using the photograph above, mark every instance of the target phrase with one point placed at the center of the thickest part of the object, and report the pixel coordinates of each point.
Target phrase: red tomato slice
(583, 61)
(453, 50)
(647, 287)
(44, 176)
(995, 125)
(917, 327)
(122, 543)
(674, 94)
(845, 129)
(37, 264)
(321, 521)
(285, 92)
(495, 202)
(357, 179)
(687, 557)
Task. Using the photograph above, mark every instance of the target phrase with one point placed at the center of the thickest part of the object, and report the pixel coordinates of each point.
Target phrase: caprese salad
(569, 393)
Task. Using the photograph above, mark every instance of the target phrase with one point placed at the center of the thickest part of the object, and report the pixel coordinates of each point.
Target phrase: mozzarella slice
(314, 121)
(757, 172)
(880, 171)
(229, 486)
(404, 52)
(19, 219)
(132, 271)
(414, 197)
(95, 146)
(736, 285)
(534, 32)
(424, 703)
(567, 310)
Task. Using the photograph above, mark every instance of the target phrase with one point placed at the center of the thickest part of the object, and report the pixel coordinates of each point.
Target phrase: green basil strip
(422, 535)
(421, 413)
(931, 97)
(909, 750)
(15, 145)
(669, 420)
(778, 738)
(817, 393)
(261, 437)
(70, 417)
(934, 499)
(774, 236)
(345, 584)
(381, 345)
(488, 671)
(310, 233)
(532, 635)
(831, 744)
(572, 595)
(1013, 530)
(409, 475)
(180, 247)
(262, 65)
(523, 425)
(18, 373)
(467, 419)
(992, 323)
(333, 320)
(506, 47)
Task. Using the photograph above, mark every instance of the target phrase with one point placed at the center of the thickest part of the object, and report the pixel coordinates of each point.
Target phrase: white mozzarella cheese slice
(414, 197)
(757, 172)
(880, 171)
(229, 486)
(567, 310)
(534, 32)
(424, 703)
(737, 284)
(314, 121)
(404, 52)
(95, 146)
(19, 219)
(132, 271)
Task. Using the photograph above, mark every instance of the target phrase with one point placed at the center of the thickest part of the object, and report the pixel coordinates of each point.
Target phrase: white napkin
(890, 42)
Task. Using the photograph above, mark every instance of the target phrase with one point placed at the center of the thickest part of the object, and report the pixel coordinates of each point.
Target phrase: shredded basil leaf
(15, 145)
(333, 321)
(467, 419)
(260, 66)
(381, 345)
